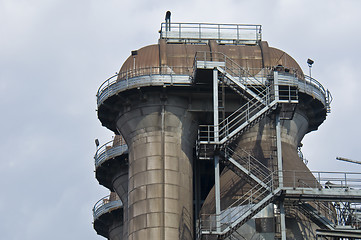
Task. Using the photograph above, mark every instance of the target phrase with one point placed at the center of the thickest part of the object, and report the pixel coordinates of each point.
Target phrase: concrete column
(160, 134)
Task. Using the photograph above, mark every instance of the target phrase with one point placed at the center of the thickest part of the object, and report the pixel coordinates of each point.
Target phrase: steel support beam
(215, 105)
(217, 192)
(279, 157)
(216, 156)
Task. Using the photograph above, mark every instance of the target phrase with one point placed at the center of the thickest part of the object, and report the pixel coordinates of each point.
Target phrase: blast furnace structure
(212, 119)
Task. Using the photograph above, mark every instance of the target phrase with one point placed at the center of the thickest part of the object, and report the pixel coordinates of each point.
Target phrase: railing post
(199, 31)
(237, 34)
(215, 105)
(217, 192)
(126, 77)
(209, 133)
(276, 86)
(319, 178)
(279, 150)
(180, 30)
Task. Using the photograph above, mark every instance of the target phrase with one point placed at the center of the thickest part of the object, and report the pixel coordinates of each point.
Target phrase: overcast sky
(54, 54)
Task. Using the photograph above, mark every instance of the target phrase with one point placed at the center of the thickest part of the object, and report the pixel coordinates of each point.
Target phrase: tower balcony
(109, 158)
(143, 77)
(109, 151)
(107, 213)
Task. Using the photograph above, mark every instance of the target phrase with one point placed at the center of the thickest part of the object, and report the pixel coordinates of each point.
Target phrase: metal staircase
(240, 211)
(261, 94)
(254, 200)
(244, 164)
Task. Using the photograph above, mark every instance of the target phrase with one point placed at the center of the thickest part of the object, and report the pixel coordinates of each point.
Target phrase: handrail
(200, 31)
(237, 71)
(230, 124)
(107, 151)
(230, 66)
(105, 205)
(322, 179)
(233, 213)
(326, 93)
(105, 89)
(249, 162)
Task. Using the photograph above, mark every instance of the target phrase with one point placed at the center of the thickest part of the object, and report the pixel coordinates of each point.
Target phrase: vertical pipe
(279, 150)
(162, 137)
(215, 105)
(217, 192)
(280, 174)
(283, 221)
(279, 159)
(275, 82)
(216, 139)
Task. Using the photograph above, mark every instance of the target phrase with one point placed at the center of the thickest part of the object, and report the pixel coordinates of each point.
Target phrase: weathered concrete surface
(160, 134)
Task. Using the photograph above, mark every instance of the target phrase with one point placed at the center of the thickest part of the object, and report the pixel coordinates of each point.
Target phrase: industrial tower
(212, 119)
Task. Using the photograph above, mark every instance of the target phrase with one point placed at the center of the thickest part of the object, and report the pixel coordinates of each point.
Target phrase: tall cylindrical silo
(166, 94)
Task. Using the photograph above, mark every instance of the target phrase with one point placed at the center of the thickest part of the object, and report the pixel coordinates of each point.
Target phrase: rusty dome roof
(182, 55)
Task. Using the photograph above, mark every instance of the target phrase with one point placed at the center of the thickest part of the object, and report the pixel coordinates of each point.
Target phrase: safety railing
(249, 202)
(104, 205)
(108, 151)
(313, 87)
(256, 81)
(245, 114)
(151, 76)
(255, 77)
(238, 210)
(226, 33)
(249, 162)
(326, 180)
